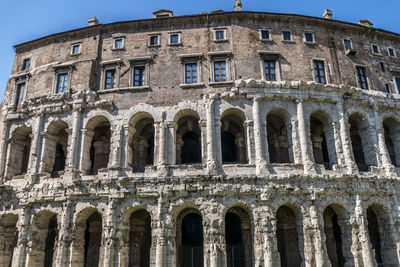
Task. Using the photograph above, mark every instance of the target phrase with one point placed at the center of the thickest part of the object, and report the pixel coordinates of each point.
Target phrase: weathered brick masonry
(220, 139)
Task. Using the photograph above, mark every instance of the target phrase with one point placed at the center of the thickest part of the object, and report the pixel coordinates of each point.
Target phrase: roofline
(206, 14)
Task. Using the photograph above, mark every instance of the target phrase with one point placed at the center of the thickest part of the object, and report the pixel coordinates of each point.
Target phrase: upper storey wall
(165, 71)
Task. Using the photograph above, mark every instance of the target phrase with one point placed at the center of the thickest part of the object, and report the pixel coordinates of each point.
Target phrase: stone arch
(362, 143)
(278, 136)
(323, 139)
(391, 128)
(19, 152)
(233, 137)
(187, 137)
(96, 145)
(55, 148)
(8, 238)
(43, 239)
(189, 238)
(380, 231)
(140, 149)
(287, 235)
(87, 239)
(238, 237)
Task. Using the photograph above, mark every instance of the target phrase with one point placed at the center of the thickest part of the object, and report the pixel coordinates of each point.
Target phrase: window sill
(310, 43)
(221, 83)
(289, 41)
(266, 40)
(118, 49)
(377, 54)
(221, 41)
(75, 55)
(114, 90)
(153, 46)
(178, 44)
(191, 85)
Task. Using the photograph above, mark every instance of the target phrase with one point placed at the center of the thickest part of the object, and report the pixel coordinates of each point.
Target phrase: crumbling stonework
(241, 171)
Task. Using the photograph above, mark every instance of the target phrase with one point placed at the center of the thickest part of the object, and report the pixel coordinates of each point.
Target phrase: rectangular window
(154, 40)
(26, 64)
(362, 78)
(347, 44)
(20, 94)
(375, 49)
(220, 35)
(191, 73)
(319, 70)
(118, 43)
(219, 71)
(110, 79)
(174, 39)
(265, 35)
(382, 65)
(138, 73)
(391, 52)
(286, 35)
(62, 83)
(309, 37)
(76, 49)
(397, 79)
(270, 70)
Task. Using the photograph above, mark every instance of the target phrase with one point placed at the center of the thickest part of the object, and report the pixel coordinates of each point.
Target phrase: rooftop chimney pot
(327, 14)
(238, 5)
(93, 21)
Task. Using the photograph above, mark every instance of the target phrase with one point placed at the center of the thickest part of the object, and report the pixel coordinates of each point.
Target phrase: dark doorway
(191, 149)
(51, 242)
(192, 241)
(229, 154)
(333, 236)
(234, 241)
(374, 235)
(92, 245)
(140, 239)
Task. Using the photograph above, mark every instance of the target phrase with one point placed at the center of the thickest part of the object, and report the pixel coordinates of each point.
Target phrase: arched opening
(361, 142)
(55, 148)
(87, 248)
(140, 239)
(19, 152)
(96, 145)
(392, 139)
(333, 234)
(8, 238)
(323, 139)
(45, 233)
(233, 139)
(142, 142)
(288, 238)
(238, 238)
(188, 138)
(189, 239)
(374, 234)
(277, 135)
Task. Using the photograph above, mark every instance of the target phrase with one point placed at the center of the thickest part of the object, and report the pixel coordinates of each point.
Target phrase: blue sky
(24, 20)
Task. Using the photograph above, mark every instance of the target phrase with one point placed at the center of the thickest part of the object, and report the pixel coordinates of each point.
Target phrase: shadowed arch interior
(391, 129)
(140, 239)
(8, 238)
(233, 140)
(333, 234)
(277, 135)
(19, 152)
(188, 139)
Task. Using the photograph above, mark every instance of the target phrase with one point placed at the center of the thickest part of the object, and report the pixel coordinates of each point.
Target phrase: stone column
(160, 234)
(212, 164)
(214, 240)
(109, 241)
(20, 252)
(87, 136)
(127, 131)
(383, 155)
(305, 144)
(4, 149)
(65, 237)
(162, 149)
(346, 141)
(48, 152)
(338, 143)
(34, 159)
(247, 143)
(116, 138)
(317, 230)
(260, 146)
(75, 138)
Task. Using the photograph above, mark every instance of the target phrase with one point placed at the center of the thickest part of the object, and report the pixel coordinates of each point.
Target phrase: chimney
(327, 14)
(366, 23)
(163, 13)
(238, 5)
(93, 21)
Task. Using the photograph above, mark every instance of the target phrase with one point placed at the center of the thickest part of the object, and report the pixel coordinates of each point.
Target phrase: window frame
(158, 35)
(118, 38)
(394, 51)
(23, 66)
(357, 67)
(221, 57)
(64, 74)
(142, 71)
(270, 56)
(344, 44)
(191, 59)
(114, 77)
(144, 63)
(224, 30)
(396, 86)
(378, 47)
(305, 38)
(290, 34)
(106, 66)
(73, 49)
(179, 38)
(59, 69)
(326, 70)
(260, 31)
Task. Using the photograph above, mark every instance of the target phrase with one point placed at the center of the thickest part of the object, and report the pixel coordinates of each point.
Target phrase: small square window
(309, 37)
(20, 94)
(362, 77)
(110, 79)
(397, 80)
(347, 44)
(154, 40)
(219, 71)
(118, 43)
(174, 39)
(191, 73)
(220, 35)
(62, 83)
(26, 64)
(375, 49)
(391, 52)
(138, 72)
(265, 34)
(286, 36)
(76, 49)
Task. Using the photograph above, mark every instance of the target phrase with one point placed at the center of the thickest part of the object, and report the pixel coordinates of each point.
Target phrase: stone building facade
(220, 139)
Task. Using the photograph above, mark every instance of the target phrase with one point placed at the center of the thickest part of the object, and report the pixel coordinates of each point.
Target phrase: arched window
(233, 140)
(392, 139)
(277, 134)
(189, 239)
(140, 239)
(333, 234)
(188, 140)
(287, 236)
(19, 152)
(361, 142)
(8, 238)
(238, 238)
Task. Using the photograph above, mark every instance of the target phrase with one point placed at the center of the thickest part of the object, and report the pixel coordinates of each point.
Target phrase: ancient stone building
(220, 139)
